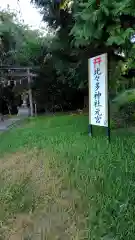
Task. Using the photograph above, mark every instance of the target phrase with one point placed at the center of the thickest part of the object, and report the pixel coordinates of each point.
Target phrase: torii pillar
(30, 94)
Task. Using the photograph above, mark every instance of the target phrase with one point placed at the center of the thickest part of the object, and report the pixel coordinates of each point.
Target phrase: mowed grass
(58, 183)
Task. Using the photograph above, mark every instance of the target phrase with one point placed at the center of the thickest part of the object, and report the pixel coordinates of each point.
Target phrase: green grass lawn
(58, 183)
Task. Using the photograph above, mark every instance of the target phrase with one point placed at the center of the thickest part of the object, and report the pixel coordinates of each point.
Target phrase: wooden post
(30, 94)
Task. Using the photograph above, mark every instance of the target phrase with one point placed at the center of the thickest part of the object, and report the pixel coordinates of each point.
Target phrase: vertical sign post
(98, 93)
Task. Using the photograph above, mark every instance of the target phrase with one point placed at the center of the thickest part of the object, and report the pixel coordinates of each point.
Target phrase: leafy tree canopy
(19, 45)
(110, 23)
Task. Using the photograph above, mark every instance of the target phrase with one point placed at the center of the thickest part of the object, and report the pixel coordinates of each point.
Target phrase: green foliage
(110, 24)
(90, 27)
(65, 58)
(125, 97)
(52, 14)
(90, 21)
(113, 124)
(125, 106)
(19, 44)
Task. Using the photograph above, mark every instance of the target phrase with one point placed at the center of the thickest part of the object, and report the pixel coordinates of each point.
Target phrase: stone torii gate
(19, 74)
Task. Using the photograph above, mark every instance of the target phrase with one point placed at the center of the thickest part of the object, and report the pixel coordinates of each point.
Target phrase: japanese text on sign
(98, 91)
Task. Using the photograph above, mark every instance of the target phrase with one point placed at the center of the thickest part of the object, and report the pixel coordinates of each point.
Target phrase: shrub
(124, 105)
(113, 124)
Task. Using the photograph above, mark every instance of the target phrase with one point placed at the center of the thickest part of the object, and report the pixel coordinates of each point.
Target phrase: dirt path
(8, 122)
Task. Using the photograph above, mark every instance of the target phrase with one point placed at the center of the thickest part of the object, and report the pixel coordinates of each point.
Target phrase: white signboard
(98, 91)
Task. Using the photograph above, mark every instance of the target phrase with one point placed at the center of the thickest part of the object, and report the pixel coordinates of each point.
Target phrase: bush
(124, 105)
(113, 124)
(127, 111)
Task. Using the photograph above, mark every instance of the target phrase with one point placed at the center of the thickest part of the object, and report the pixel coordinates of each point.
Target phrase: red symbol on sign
(97, 61)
